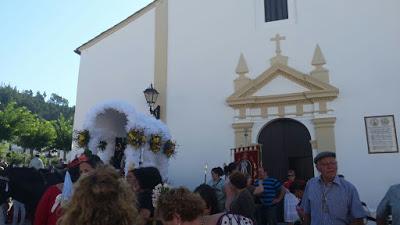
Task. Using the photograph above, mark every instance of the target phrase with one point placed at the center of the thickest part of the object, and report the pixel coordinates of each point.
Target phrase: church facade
(297, 77)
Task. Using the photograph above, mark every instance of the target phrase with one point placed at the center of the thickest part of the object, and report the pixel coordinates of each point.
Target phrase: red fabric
(77, 161)
(287, 184)
(10, 215)
(74, 163)
(253, 156)
(43, 214)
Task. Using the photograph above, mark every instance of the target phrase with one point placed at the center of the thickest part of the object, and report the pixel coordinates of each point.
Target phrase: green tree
(13, 120)
(7, 95)
(63, 129)
(37, 135)
(3, 151)
(58, 100)
(36, 103)
(40, 97)
(16, 158)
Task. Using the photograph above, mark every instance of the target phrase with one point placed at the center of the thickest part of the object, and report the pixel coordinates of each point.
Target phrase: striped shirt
(272, 188)
(337, 203)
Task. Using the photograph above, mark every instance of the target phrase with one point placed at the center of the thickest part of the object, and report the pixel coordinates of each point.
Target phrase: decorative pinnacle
(318, 58)
(242, 68)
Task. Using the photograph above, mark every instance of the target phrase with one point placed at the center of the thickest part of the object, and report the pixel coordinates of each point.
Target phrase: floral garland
(136, 138)
(155, 143)
(169, 148)
(82, 138)
(159, 190)
(102, 145)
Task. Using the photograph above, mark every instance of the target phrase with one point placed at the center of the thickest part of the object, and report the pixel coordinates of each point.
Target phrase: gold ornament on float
(155, 143)
(136, 138)
(82, 138)
(169, 148)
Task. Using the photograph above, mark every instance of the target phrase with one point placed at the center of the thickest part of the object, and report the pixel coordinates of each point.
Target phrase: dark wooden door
(286, 145)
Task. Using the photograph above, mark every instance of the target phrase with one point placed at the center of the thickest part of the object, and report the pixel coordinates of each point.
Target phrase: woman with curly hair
(179, 206)
(101, 197)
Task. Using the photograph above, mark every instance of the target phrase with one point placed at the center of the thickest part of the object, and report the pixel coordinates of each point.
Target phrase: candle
(205, 173)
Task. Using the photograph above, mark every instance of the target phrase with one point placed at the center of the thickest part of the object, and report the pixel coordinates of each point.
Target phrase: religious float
(124, 138)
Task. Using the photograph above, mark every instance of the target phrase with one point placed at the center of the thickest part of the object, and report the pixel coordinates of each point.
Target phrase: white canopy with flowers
(149, 142)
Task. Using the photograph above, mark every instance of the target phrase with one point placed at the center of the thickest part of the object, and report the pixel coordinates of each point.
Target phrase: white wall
(358, 39)
(118, 67)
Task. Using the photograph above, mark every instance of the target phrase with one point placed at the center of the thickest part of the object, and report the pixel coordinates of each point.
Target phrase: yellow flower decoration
(82, 138)
(169, 148)
(136, 138)
(155, 143)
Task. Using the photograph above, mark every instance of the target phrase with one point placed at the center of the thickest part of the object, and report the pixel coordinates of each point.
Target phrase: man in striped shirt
(271, 193)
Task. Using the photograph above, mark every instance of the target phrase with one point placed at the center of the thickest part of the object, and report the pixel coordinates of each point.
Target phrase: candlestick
(141, 157)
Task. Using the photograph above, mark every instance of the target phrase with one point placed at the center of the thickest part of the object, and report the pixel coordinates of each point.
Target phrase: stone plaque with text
(381, 134)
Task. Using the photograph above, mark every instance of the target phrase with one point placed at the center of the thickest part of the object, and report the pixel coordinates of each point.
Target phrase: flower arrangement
(159, 190)
(169, 148)
(136, 138)
(102, 145)
(82, 138)
(155, 143)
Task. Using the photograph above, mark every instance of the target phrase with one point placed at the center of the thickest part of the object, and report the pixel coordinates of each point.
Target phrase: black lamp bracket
(155, 112)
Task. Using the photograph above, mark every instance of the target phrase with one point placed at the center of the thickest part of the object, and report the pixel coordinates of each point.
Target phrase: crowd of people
(94, 193)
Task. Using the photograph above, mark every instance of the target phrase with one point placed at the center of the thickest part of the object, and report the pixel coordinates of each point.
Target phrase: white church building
(297, 77)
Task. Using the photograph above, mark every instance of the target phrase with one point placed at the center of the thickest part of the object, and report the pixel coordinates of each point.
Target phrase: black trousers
(267, 215)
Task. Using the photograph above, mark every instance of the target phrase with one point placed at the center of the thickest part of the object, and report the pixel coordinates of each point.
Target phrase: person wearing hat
(329, 199)
(36, 162)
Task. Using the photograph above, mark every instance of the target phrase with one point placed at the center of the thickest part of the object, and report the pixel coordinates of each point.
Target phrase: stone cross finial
(278, 40)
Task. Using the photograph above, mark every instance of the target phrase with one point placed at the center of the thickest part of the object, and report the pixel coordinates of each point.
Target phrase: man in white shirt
(292, 200)
(36, 163)
(290, 204)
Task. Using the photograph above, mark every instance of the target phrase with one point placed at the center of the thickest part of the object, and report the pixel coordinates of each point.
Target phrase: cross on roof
(278, 40)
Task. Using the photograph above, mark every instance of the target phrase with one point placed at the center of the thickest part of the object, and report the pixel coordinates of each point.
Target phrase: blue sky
(37, 39)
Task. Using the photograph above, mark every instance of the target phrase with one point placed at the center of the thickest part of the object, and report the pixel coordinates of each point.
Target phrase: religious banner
(381, 134)
(248, 159)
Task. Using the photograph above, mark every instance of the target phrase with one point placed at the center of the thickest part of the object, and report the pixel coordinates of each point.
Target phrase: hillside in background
(46, 107)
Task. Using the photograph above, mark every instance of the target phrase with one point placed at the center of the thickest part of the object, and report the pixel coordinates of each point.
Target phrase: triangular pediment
(279, 84)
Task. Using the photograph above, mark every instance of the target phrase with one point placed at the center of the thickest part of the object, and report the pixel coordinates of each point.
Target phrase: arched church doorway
(111, 124)
(286, 145)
